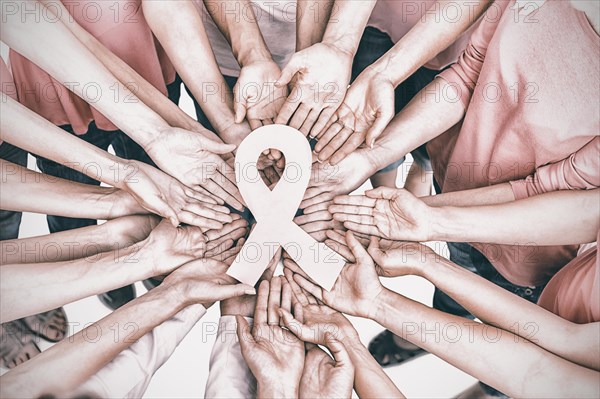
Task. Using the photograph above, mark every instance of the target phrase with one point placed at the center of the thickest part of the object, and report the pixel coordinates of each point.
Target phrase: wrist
(277, 389)
(380, 306)
(444, 224)
(253, 53)
(343, 45)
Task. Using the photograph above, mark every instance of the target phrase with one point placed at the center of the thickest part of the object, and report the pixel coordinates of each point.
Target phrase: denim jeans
(374, 44)
(471, 259)
(124, 148)
(10, 220)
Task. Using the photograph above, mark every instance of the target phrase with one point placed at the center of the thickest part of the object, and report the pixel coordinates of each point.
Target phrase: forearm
(497, 357)
(181, 33)
(496, 306)
(370, 381)
(37, 287)
(52, 372)
(347, 23)
(276, 390)
(22, 189)
(29, 131)
(73, 64)
(433, 111)
(430, 36)
(312, 17)
(538, 220)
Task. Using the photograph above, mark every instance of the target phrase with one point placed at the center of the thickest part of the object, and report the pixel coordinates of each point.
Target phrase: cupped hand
(204, 281)
(256, 97)
(356, 288)
(319, 77)
(194, 160)
(274, 355)
(316, 220)
(367, 109)
(393, 214)
(165, 196)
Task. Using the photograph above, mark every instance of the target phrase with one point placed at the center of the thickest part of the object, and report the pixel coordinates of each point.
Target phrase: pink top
(7, 85)
(574, 292)
(121, 27)
(529, 110)
(397, 17)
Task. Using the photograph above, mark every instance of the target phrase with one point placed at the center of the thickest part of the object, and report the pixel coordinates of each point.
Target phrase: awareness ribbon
(274, 210)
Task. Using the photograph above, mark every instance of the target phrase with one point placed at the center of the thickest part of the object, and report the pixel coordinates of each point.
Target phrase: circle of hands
(193, 188)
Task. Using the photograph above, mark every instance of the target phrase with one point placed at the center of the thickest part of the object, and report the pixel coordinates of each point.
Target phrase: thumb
(239, 104)
(217, 148)
(383, 119)
(288, 72)
(222, 292)
(338, 350)
(374, 250)
(358, 250)
(244, 333)
(382, 193)
(162, 208)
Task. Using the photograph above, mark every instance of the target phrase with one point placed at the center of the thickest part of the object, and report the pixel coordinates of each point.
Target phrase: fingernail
(250, 292)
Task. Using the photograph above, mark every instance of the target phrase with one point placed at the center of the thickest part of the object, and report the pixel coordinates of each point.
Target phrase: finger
(341, 249)
(200, 221)
(360, 200)
(286, 295)
(293, 266)
(200, 194)
(312, 217)
(262, 302)
(369, 230)
(310, 120)
(325, 121)
(239, 103)
(295, 326)
(217, 190)
(335, 144)
(229, 256)
(215, 212)
(375, 251)
(222, 292)
(316, 208)
(350, 210)
(300, 116)
(382, 193)
(365, 220)
(326, 196)
(214, 250)
(244, 333)
(297, 292)
(353, 142)
(232, 230)
(311, 288)
(217, 148)
(359, 252)
(255, 123)
(274, 301)
(325, 138)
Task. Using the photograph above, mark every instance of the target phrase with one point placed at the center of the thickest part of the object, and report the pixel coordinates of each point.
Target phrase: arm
(145, 91)
(495, 356)
(396, 214)
(53, 371)
(369, 104)
(22, 188)
(312, 17)
(78, 243)
(504, 360)
(64, 282)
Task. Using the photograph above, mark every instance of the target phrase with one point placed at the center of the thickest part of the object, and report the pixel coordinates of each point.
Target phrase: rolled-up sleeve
(580, 171)
(463, 75)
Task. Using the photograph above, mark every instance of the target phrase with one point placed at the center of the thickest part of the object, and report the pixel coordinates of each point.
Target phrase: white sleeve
(128, 375)
(229, 376)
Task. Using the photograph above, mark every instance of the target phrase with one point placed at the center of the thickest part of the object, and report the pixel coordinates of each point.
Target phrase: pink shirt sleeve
(464, 74)
(580, 171)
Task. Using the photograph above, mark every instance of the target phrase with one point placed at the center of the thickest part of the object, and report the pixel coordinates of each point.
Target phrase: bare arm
(22, 188)
(312, 17)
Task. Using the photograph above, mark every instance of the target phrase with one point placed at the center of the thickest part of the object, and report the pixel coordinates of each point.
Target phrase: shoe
(51, 326)
(17, 345)
(116, 298)
(387, 353)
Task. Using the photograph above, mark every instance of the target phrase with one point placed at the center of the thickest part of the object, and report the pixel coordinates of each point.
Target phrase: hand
(321, 75)
(394, 214)
(327, 181)
(356, 288)
(324, 377)
(316, 220)
(363, 115)
(192, 159)
(128, 230)
(124, 204)
(169, 247)
(256, 97)
(161, 194)
(219, 241)
(274, 355)
(203, 281)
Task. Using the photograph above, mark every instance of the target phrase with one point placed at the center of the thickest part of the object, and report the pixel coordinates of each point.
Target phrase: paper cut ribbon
(275, 210)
